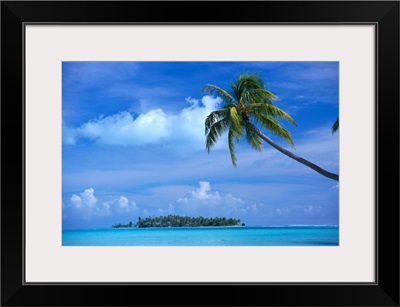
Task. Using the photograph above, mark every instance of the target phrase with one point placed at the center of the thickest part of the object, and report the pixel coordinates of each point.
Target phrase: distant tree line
(119, 225)
(180, 221)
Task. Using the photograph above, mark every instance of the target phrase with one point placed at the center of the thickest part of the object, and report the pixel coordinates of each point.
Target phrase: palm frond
(335, 126)
(259, 95)
(214, 117)
(275, 127)
(244, 83)
(216, 129)
(232, 137)
(253, 139)
(224, 95)
(236, 120)
(270, 110)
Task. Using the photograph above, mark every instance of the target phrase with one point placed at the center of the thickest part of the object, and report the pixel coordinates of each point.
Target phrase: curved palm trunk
(293, 156)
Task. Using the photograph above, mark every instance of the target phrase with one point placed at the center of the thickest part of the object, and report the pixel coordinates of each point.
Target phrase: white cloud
(87, 199)
(86, 205)
(123, 129)
(204, 201)
(76, 201)
(200, 194)
(122, 204)
(152, 127)
(103, 210)
(68, 134)
(312, 209)
(277, 211)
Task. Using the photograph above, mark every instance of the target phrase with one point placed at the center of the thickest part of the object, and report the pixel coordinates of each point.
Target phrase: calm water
(205, 236)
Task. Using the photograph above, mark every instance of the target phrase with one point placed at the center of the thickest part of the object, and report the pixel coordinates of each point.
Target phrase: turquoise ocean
(205, 236)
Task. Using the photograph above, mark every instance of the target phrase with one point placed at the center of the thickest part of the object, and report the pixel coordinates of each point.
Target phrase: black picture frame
(383, 14)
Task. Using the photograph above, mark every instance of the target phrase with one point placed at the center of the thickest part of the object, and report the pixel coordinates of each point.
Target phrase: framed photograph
(196, 146)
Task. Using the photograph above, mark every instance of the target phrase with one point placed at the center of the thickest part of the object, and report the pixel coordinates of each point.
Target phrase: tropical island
(180, 221)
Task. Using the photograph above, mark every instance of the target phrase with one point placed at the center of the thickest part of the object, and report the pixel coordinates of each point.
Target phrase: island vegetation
(180, 221)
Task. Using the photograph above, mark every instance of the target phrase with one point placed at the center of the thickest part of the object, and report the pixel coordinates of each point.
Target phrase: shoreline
(209, 227)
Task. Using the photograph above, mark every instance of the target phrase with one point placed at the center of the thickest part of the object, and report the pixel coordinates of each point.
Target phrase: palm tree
(335, 126)
(247, 105)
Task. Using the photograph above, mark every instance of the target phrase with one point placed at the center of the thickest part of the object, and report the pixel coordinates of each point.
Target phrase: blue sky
(133, 145)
